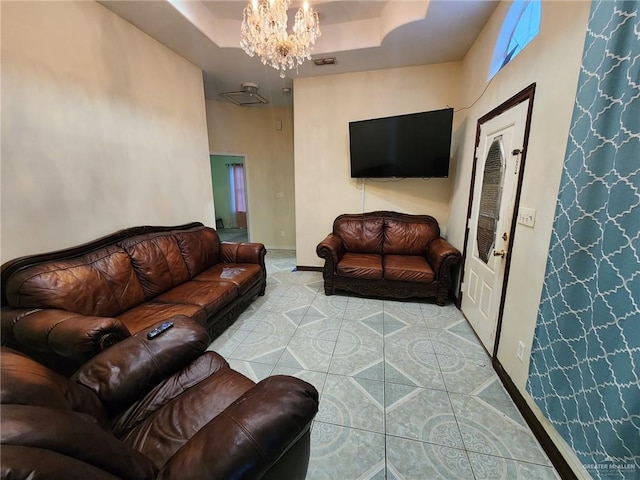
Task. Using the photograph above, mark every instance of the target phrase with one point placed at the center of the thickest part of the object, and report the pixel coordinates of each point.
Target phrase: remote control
(158, 330)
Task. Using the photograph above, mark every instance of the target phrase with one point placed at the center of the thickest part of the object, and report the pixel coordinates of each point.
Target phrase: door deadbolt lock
(499, 253)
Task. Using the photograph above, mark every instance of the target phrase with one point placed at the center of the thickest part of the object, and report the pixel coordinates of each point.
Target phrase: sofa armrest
(132, 367)
(441, 255)
(70, 335)
(331, 249)
(232, 252)
(250, 435)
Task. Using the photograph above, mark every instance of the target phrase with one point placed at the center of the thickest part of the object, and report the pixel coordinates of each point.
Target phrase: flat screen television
(413, 145)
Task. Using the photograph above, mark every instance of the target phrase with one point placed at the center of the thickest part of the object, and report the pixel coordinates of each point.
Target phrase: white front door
(494, 194)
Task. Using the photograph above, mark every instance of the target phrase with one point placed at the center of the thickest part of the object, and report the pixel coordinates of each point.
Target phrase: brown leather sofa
(64, 307)
(388, 254)
(146, 409)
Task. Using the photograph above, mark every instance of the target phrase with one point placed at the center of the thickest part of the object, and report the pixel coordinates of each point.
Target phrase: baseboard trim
(559, 462)
(302, 268)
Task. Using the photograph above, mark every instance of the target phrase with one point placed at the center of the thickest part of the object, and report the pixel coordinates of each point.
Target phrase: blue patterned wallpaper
(585, 361)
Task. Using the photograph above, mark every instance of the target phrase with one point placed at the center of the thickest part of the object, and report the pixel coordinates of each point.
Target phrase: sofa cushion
(169, 388)
(407, 268)
(158, 262)
(200, 248)
(243, 275)
(360, 236)
(74, 435)
(360, 265)
(150, 313)
(402, 237)
(161, 435)
(102, 283)
(211, 296)
(26, 382)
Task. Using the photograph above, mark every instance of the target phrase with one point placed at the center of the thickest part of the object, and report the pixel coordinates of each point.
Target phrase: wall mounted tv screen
(413, 145)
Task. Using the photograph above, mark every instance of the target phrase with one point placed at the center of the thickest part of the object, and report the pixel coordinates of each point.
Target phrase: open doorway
(228, 179)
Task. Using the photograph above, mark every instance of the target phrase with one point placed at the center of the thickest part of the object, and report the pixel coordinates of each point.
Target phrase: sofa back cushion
(407, 236)
(102, 283)
(360, 234)
(157, 261)
(388, 233)
(200, 248)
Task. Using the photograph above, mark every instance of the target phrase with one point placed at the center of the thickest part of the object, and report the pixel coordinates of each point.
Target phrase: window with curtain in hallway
(237, 196)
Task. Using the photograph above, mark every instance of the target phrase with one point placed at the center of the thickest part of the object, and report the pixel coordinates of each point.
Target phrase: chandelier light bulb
(264, 33)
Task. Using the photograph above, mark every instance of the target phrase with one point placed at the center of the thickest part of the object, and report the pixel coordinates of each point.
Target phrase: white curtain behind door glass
(237, 199)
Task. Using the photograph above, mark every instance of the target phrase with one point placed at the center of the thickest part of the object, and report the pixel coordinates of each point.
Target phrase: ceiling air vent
(324, 61)
(246, 97)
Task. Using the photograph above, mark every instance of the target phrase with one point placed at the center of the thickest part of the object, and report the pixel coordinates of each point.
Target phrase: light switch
(279, 195)
(527, 216)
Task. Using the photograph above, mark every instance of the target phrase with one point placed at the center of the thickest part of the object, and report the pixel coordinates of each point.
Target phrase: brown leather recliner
(145, 409)
(388, 254)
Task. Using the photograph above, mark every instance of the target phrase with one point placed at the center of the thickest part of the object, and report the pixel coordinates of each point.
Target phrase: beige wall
(252, 132)
(552, 60)
(102, 128)
(323, 108)
(555, 72)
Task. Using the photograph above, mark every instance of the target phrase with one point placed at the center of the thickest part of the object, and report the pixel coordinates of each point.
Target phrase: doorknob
(499, 253)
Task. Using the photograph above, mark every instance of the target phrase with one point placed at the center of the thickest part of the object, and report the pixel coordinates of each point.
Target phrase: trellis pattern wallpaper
(585, 361)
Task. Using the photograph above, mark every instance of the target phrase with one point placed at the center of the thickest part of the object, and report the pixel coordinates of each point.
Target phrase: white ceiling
(361, 34)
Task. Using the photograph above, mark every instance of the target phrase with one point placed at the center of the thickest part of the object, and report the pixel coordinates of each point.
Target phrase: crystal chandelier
(264, 32)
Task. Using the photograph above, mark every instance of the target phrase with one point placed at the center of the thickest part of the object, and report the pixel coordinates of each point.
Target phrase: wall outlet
(520, 352)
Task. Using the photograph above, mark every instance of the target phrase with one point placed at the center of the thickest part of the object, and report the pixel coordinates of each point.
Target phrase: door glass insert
(490, 199)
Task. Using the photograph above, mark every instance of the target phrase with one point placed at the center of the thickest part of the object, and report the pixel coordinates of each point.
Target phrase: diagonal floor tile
(358, 360)
(449, 343)
(394, 324)
(276, 324)
(307, 354)
(350, 402)
(226, 343)
(320, 328)
(360, 332)
(409, 337)
(489, 429)
(410, 459)
(384, 353)
(331, 306)
(487, 467)
(259, 347)
(409, 312)
(471, 376)
(358, 308)
(345, 453)
(421, 414)
(253, 370)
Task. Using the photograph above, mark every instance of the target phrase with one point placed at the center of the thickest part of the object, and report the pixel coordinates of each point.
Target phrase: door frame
(526, 94)
(246, 186)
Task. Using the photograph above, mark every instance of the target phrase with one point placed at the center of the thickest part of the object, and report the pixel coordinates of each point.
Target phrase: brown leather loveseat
(144, 409)
(388, 254)
(64, 307)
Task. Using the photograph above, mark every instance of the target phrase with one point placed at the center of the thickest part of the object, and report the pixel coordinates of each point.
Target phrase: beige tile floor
(406, 390)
